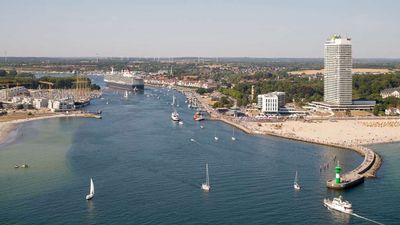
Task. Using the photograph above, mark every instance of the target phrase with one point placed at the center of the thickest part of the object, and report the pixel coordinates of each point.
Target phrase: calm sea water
(147, 171)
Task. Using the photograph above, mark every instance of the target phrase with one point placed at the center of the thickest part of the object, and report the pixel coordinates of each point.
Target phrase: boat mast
(207, 177)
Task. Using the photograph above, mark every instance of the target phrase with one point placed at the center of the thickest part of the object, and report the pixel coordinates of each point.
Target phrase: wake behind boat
(339, 204)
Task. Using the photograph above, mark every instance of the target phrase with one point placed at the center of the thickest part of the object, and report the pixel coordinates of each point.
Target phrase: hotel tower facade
(337, 75)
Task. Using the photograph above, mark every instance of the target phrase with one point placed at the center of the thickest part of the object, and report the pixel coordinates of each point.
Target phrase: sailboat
(173, 100)
(296, 184)
(215, 136)
(126, 94)
(91, 191)
(233, 135)
(206, 186)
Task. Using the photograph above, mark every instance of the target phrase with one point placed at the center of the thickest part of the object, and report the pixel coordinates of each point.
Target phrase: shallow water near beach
(147, 171)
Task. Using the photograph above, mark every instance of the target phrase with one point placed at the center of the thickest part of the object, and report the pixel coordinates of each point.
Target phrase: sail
(295, 178)
(91, 186)
(207, 176)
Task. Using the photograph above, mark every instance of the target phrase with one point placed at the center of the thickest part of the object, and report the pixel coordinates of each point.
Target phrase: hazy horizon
(210, 29)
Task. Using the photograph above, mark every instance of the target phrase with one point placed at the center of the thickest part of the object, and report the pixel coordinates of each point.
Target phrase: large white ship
(125, 80)
(339, 204)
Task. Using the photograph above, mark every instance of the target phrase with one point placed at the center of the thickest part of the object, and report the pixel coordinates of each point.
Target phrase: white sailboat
(126, 94)
(233, 135)
(173, 100)
(215, 136)
(206, 186)
(91, 191)
(296, 184)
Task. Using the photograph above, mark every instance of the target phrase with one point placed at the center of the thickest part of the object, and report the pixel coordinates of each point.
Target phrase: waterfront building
(12, 92)
(337, 74)
(60, 105)
(338, 80)
(391, 92)
(271, 102)
(39, 103)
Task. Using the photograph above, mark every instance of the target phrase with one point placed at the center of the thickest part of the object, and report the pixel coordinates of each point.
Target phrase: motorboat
(175, 116)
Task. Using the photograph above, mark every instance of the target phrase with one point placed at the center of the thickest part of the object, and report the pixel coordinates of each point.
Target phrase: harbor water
(147, 170)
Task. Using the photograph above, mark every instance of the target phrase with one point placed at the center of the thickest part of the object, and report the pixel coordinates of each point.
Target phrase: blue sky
(213, 28)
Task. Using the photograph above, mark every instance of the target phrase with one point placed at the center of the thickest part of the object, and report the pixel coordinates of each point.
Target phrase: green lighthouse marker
(338, 169)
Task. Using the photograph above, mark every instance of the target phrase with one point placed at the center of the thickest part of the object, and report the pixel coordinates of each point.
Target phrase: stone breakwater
(367, 169)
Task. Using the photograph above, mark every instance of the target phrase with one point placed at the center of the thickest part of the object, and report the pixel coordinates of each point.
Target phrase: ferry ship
(339, 204)
(124, 80)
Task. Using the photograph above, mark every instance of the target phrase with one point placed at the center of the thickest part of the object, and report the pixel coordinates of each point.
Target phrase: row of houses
(42, 103)
(8, 93)
(183, 83)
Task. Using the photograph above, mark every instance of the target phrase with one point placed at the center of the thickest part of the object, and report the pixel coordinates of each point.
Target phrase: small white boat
(215, 136)
(233, 135)
(206, 186)
(175, 116)
(296, 184)
(201, 126)
(91, 191)
(339, 204)
(181, 122)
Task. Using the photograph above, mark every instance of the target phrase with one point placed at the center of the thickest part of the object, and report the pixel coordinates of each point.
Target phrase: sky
(198, 28)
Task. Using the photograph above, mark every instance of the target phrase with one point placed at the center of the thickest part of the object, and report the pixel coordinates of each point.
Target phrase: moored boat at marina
(198, 116)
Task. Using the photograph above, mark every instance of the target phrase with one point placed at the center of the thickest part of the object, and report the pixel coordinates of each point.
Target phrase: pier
(367, 169)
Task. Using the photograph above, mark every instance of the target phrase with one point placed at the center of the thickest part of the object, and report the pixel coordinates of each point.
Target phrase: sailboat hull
(205, 187)
(89, 197)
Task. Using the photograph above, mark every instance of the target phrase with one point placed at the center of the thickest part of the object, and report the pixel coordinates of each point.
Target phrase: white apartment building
(337, 75)
(271, 102)
(12, 92)
(57, 106)
(39, 103)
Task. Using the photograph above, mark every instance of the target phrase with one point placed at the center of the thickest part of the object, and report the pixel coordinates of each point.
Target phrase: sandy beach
(340, 132)
(10, 123)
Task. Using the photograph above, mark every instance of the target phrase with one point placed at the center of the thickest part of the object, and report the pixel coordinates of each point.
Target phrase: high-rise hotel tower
(337, 75)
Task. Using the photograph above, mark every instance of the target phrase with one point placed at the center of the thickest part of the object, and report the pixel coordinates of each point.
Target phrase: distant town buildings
(9, 93)
(337, 75)
(271, 102)
(391, 92)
